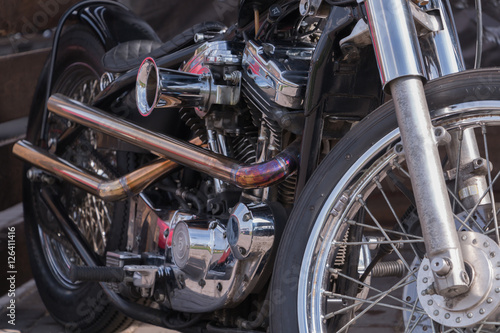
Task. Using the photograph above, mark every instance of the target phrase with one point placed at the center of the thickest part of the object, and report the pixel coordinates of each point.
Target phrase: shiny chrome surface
(431, 196)
(167, 88)
(110, 190)
(194, 85)
(394, 39)
(214, 53)
(250, 230)
(441, 48)
(198, 246)
(213, 278)
(468, 168)
(281, 84)
(221, 167)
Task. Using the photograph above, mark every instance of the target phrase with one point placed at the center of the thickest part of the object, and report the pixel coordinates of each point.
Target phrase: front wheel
(362, 262)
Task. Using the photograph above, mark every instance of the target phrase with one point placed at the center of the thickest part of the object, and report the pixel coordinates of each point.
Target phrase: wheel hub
(482, 256)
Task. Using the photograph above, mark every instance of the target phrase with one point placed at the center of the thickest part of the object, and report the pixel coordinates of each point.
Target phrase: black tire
(298, 253)
(80, 307)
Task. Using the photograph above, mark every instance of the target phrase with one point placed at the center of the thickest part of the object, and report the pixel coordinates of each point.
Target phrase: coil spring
(389, 268)
(342, 252)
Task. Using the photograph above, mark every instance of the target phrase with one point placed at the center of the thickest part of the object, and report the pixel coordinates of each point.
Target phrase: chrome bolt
(441, 266)
(481, 311)
(486, 244)
(447, 316)
(458, 319)
(489, 300)
(492, 254)
(464, 237)
(426, 267)
(497, 290)
(425, 280)
(430, 302)
(474, 241)
(436, 312)
(497, 277)
(470, 315)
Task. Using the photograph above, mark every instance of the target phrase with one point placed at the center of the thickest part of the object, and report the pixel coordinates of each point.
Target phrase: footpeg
(97, 274)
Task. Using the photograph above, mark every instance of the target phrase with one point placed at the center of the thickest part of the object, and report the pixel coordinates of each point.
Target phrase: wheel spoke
(339, 273)
(381, 189)
(398, 285)
(367, 226)
(416, 322)
(368, 300)
(396, 250)
(412, 313)
(486, 192)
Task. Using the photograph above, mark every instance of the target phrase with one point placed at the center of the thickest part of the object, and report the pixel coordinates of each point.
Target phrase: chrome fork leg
(400, 63)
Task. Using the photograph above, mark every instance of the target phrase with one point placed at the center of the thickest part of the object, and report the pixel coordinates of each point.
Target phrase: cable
(479, 37)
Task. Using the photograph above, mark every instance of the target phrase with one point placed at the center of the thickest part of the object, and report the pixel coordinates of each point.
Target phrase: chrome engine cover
(202, 265)
(211, 274)
(281, 72)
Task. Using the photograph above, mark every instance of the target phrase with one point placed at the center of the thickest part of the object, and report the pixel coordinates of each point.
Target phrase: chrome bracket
(431, 23)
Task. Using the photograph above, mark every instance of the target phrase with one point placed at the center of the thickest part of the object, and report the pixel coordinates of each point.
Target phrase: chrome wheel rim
(316, 270)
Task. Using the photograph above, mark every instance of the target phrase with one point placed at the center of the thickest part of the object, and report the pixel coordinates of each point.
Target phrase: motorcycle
(320, 166)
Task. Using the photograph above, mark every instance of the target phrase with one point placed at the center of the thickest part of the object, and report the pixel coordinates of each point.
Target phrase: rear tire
(81, 306)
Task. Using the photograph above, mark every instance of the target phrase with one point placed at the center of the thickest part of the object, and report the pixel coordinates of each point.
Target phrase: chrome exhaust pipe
(188, 154)
(109, 190)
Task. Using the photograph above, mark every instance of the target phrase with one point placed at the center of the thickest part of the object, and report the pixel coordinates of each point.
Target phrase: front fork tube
(433, 204)
(402, 72)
